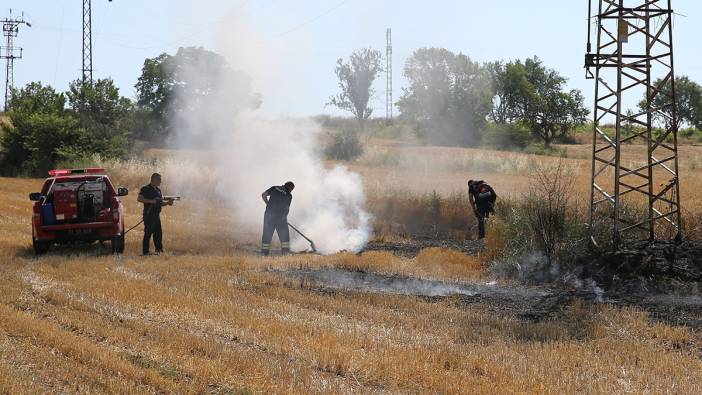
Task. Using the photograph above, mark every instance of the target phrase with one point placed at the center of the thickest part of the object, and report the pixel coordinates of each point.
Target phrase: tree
(42, 132)
(688, 95)
(173, 89)
(508, 84)
(103, 113)
(356, 83)
(448, 98)
(154, 90)
(530, 93)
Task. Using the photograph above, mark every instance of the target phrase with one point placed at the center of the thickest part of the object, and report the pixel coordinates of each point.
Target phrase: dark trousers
(275, 222)
(483, 211)
(481, 226)
(152, 227)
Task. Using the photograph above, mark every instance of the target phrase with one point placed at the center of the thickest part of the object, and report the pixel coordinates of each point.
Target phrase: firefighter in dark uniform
(482, 199)
(153, 200)
(277, 199)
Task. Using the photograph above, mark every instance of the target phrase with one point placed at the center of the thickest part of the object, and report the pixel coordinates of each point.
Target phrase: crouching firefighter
(150, 195)
(277, 199)
(482, 199)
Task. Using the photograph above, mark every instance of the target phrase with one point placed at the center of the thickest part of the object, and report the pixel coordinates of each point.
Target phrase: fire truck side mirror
(122, 191)
(35, 196)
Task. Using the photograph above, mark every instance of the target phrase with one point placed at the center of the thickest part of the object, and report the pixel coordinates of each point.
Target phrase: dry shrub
(547, 207)
(543, 230)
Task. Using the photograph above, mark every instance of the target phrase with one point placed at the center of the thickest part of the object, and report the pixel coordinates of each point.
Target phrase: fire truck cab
(77, 206)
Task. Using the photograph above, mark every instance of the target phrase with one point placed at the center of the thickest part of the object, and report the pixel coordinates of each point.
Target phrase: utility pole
(638, 198)
(388, 76)
(10, 29)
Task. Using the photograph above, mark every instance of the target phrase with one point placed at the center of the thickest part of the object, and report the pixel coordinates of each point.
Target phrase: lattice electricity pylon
(87, 42)
(388, 75)
(10, 30)
(635, 191)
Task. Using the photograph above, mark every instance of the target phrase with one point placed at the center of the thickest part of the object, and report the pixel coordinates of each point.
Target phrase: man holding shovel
(275, 219)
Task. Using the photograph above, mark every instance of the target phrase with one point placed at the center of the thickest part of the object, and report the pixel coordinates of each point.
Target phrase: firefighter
(277, 199)
(482, 199)
(150, 195)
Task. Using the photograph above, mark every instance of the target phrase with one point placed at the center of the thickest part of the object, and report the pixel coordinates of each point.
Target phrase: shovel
(314, 249)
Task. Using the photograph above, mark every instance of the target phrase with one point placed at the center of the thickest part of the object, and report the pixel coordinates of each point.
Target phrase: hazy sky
(290, 47)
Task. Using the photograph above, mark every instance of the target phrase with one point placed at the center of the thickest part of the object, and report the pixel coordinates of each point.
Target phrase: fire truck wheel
(118, 243)
(40, 247)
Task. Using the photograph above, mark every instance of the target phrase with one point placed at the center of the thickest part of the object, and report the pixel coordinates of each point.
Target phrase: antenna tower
(635, 190)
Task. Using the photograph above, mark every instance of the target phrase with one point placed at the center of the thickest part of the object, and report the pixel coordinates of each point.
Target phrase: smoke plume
(250, 152)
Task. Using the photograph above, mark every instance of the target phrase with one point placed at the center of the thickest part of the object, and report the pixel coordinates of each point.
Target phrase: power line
(314, 19)
(207, 26)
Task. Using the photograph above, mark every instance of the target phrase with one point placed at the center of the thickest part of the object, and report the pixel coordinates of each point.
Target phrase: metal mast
(87, 42)
(388, 75)
(10, 29)
(635, 191)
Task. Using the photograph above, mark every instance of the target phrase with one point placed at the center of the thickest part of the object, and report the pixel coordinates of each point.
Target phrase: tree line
(449, 100)
(47, 128)
(453, 100)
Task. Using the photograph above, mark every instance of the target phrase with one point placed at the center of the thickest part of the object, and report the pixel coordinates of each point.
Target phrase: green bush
(506, 136)
(688, 133)
(344, 145)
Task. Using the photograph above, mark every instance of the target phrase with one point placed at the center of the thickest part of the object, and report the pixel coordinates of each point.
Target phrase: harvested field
(414, 312)
(229, 324)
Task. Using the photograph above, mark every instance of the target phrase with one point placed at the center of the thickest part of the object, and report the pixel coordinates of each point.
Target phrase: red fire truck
(78, 206)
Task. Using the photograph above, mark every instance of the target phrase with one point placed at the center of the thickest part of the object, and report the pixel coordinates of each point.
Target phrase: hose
(139, 223)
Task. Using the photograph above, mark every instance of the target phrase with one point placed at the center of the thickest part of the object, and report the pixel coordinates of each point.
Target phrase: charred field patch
(528, 303)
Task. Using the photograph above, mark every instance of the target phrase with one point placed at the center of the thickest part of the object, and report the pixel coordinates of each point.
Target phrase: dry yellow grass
(446, 170)
(100, 324)
(212, 318)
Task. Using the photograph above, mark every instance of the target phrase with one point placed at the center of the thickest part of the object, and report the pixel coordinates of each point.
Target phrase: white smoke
(250, 152)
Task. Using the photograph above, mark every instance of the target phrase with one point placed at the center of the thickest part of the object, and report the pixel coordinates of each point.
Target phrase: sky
(290, 47)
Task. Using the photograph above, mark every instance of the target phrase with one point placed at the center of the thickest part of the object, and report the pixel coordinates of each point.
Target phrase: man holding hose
(150, 195)
(275, 219)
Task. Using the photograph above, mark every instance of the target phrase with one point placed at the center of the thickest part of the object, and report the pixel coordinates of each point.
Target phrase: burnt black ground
(528, 303)
(664, 279)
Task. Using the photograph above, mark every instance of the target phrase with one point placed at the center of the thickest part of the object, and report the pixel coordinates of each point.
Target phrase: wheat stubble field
(212, 317)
